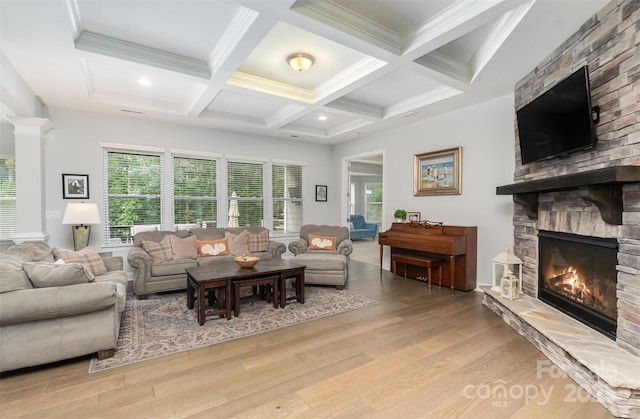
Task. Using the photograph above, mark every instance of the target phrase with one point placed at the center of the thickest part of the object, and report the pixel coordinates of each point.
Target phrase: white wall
(486, 134)
(72, 147)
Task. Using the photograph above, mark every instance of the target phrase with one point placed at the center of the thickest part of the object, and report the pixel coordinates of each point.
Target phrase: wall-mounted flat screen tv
(559, 121)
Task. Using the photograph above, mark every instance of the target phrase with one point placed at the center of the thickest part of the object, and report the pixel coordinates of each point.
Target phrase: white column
(29, 155)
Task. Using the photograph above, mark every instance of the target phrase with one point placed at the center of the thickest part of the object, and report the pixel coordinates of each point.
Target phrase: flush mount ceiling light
(300, 61)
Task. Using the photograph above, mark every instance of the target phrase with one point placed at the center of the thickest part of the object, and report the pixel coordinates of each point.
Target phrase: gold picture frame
(438, 173)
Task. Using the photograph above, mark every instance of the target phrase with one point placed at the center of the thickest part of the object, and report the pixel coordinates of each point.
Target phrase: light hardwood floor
(414, 355)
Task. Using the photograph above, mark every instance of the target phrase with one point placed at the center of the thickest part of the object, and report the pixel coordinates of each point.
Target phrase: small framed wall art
(321, 193)
(437, 173)
(75, 186)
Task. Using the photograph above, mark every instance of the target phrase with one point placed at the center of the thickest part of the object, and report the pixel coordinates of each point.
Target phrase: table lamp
(79, 214)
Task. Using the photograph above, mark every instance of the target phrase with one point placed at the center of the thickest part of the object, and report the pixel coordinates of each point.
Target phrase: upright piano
(455, 244)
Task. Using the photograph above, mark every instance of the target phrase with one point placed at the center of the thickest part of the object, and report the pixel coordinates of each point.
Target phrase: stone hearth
(607, 372)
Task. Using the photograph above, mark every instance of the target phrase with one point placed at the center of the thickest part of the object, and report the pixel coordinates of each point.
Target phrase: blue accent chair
(361, 229)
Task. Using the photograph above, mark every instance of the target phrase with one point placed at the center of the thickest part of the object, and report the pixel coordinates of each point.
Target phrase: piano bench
(422, 261)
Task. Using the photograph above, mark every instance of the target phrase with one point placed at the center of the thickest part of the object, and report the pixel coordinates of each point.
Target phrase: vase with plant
(400, 215)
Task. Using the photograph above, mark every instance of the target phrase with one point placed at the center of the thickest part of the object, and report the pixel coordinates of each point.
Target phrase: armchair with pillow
(160, 258)
(57, 304)
(324, 250)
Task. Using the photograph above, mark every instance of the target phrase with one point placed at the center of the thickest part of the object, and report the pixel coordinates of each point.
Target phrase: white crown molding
(419, 101)
(129, 51)
(348, 77)
(446, 65)
(227, 117)
(238, 27)
(461, 17)
(356, 108)
(344, 19)
(348, 127)
(74, 17)
(249, 81)
(494, 40)
(284, 116)
(305, 131)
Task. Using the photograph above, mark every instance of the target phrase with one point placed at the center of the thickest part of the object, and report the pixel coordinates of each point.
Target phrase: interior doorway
(365, 187)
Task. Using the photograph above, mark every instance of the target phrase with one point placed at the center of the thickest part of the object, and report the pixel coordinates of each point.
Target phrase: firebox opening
(577, 275)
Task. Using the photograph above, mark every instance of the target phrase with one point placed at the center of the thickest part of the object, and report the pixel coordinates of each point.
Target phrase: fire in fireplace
(577, 275)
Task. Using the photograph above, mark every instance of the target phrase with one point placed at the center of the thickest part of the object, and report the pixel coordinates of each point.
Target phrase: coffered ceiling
(222, 64)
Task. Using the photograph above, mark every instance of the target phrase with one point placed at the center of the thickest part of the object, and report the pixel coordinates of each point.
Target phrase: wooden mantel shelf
(602, 187)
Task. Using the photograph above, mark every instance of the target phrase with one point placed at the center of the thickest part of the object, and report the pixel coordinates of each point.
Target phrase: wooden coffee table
(227, 274)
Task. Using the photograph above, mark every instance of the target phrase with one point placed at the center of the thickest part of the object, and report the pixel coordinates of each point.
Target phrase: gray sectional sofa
(52, 312)
(152, 276)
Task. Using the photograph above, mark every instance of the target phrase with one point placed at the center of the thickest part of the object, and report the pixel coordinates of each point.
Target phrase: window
(194, 191)
(246, 180)
(7, 198)
(286, 183)
(133, 193)
(373, 202)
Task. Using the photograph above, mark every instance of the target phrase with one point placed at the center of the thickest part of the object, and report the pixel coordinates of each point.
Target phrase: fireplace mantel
(602, 187)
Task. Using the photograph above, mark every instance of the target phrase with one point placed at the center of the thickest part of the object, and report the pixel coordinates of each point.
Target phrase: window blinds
(286, 180)
(194, 191)
(246, 180)
(133, 189)
(7, 198)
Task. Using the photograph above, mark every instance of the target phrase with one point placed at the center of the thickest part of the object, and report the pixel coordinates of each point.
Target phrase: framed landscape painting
(75, 186)
(437, 173)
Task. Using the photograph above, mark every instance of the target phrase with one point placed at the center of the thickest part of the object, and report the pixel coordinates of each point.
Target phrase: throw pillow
(259, 242)
(87, 256)
(47, 274)
(238, 243)
(213, 247)
(159, 251)
(12, 276)
(184, 248)
(322, 242)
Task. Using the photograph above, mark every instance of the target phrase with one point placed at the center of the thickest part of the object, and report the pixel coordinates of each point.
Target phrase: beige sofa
(323, 267)
(50, 316)
(169, 275)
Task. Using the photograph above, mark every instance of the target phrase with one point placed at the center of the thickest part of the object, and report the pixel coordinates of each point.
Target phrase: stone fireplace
(592, 194)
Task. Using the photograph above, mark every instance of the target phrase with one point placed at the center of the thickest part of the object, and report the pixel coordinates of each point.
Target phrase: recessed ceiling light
(322, 118)
(144, 82)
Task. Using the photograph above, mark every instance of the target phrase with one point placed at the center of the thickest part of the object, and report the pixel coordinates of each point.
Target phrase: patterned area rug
(162, 325)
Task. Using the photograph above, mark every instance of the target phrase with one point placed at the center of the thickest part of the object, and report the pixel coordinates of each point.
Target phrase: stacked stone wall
(609, 44)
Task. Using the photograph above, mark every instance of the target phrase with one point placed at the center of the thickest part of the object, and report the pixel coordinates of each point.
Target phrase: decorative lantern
(509, 285)
(506, 261)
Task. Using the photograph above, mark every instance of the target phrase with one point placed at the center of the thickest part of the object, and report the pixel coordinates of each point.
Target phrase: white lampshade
(81, 213)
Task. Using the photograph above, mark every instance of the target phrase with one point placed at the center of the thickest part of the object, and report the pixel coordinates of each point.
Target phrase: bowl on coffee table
(246, 261)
